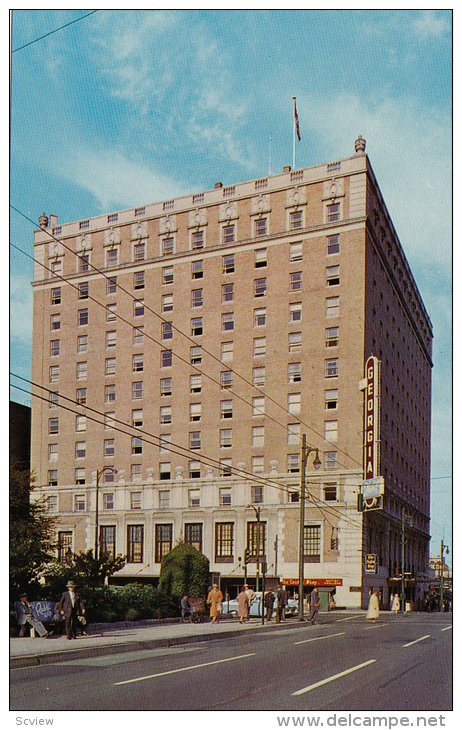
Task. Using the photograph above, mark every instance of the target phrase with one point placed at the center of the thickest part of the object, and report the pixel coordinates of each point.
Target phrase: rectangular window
(256, 536)
(333, 275)
(294, 372)
(81, 396)
(138, 308)
(165, 470)
(56, 295)
(111, 338)
(296, 251)
(135, 540)
(84, 262)
(226, 378)
(195, 383)
(137, 417)
(79, 503)
(55, 322)
(52, 503)
(56, 267)
(224, 542)
(81, 370)
(259, 317)
(165, 386)
(80, 449)
(295, 281)
(258, 377)
(293, 463)
(331, 431)
(53, 373)
(80, 423)
(193, 535)
(312, 543)
(163, 541)
(166, 358)
(331, 399)
(55, 346)
(167, 275)
(332, 367)
(52, 477)
(258, 406)
(258, 464)
(135, 500)
(138, 363)
(139, 251)
(227, 349)
(197, 240)
(224, 496)
(226, 438)
(166, 330)
(109, 393)
(196, 355)
(332, 306)
(112, 257)
(197, 327)
(107, 541)
(227, 322)
(228, 264)
(332, 336)
(333, 244)
(197, 298)
(194, 498)
(197, 269)
(226, 471)
(168, 246)
(82, 317)
(109, 447)
(330, 460)
(167, 303)
(260, 287)
(294, 403)
(295, 341)
(295, 312)
(82, 343)
(110, 366)
(227, 292)
(333, 212)
(53, 399)
(108, 500)
(229, 234)
(52, 452)
(53, 425)
(135, 473)
(194, 470)
(137, 445)
(165, 414)
(111, 285)
(194, 440)
(164, 498)
(64, 545)
(258, 436)
(138, 335)
(261, 257)
(111, 312)
(138, 280)
(293, 434)
(226, 409)
(256, 494)
(330, 492)
(259, 346)
(195, 411)
(261, 228)
(295, 219)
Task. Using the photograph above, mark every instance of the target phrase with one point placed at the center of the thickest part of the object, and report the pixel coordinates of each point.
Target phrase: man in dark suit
(71, 606)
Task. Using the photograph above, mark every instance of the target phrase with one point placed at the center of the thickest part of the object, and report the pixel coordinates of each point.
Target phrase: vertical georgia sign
(371, 419)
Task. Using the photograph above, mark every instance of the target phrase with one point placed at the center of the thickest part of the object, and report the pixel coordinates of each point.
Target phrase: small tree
(184, 570)
(89, 573)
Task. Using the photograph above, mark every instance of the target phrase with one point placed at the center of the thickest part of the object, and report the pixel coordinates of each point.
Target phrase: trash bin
(324, 599)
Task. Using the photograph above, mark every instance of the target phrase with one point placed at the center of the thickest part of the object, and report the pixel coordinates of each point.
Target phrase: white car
(231, 607)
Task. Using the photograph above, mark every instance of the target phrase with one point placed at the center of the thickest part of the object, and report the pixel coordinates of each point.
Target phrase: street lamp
(443, 548)
(98, 474)
(306, 451)
(257, 513)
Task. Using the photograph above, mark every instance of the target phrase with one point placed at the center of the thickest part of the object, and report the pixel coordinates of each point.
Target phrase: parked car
(230, 608)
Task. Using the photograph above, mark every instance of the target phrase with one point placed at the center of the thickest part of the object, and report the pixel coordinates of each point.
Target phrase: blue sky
(129, 107)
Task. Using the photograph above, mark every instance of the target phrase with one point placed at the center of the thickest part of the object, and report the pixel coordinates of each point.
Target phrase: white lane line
(422, 638)
(349, 618)
(319, 638)
(183, 669)
(331, 679)
(376, 626)
(447, 628)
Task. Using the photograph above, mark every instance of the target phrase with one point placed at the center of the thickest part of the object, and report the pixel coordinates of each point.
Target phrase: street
(342, 663)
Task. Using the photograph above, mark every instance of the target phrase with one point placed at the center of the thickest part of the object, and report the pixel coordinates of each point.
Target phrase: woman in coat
(242, 606)
(395, 605)
(214, 599)
(373, 609)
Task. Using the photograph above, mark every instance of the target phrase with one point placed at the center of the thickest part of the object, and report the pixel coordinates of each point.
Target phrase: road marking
(331, 679)
(376, 626)
(422, 638)
(319, 638)
(447, 628)
(350, 618)
(183, 669)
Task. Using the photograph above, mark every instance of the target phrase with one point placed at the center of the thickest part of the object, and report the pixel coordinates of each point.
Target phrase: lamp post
(443, 548)
(98, 474)
(306, 451)
(257, 574)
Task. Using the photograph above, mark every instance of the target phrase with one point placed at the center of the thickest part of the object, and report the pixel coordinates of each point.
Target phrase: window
(166, 414)
(295, 341)
(107, 541)
(332, 306)
(81, 396)
(227, 321)
(165, 386)
(135, 500)
(110, 366)
(261, 257)
(64, 545)
(53, 399)
(333, 244)
(196, 355)
(138, 280)
(259, 287)
(258, 377)
(259, 317)
(293, 434)
(166, 358)
(195, 383)
(52, 503)
(261, 229)
(295, 219)
(79, 503)
(256, 494)
(135, 472)
(139, 251)
(227, 349)
(332, 367)
(112, 257)
(257, 464)
(294, 372)
(166, 330)
(53, 425)
(224, 496)
(332, 336)
(193, 535)
(295, 281)
(164, 498)
(82, 317)
(196, 326)
(229, 234)
(163, 541)
(197, 298)
(296, 251)
(56, 295)
(109, 447)
(80, 449)
(259, 346)
(168, 246)
(111, 312)
(53, 373)
(197, 269)
(226, 409)
(226, 378)
(167, 275)
(194, 470)
(111, 338)
(194, 498)
(137, 445)
(330, 459)
(227, 292)
(258, 436)
(293, 463)
(83, 290)
(197, 240)
(258, 406)
(81, 370)
(109, 393)
(312, 543)
(165, 470)
(83, 225)
(135, 539)
(80, 423)
(333, 212)
(137, 417)
(224, 542)
(108, 500)
(52, 477)
(225, 469)
(138, 335)
(294, 403)
(256, 536)
(82, 343)
(331, 399)
(111, 285)
(330, 492)
(333, 275)
(84, 262)
(331, 430)
(295, 312)
(226, 438)
(57, 267)
(228, 264)
(194, 440)
(138, 308)
(109, 476)
(54, 347)
(52, 452)
(195, 411)
(55, 322)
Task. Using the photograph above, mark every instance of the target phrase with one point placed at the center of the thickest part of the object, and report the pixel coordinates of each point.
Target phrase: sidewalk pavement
(115, 638)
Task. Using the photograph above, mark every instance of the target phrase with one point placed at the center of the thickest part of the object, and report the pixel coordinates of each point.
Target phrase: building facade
(182, 349)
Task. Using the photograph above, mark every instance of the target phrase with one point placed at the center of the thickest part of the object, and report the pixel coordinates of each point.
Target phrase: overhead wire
(51, 32)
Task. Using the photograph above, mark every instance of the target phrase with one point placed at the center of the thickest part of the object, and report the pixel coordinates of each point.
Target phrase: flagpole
(293, 137)
(269, 156)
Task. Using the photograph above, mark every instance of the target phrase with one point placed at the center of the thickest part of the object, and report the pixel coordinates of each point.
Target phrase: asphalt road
(340, 664)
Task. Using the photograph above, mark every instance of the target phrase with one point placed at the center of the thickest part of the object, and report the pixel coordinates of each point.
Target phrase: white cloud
(429, 23)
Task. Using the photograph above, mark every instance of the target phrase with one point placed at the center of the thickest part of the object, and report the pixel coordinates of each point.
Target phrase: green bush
(184, 570)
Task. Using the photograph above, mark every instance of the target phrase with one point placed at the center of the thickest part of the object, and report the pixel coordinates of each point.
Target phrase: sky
(118, 108)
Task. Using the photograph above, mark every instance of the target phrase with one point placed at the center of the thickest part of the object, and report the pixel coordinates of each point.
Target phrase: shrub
(184, 570)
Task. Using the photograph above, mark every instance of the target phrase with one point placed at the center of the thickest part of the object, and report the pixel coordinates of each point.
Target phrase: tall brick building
(227, 324)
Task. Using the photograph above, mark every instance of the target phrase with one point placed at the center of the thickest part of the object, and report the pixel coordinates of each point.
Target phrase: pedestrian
(185, 609)
(279, 601)
(373, 608)
(284, 600)
(250, 594)
(395, 605)
(215, 599)
(269, 603)
(243, 606)
(25, 616)
(71, 607)
(314, 605)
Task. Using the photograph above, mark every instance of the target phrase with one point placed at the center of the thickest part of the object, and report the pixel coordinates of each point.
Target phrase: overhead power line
(51, 32)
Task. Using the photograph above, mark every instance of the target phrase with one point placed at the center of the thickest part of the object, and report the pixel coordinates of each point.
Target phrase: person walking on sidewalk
(314, 605)
(374, 607)
(215, 599)
(269, 603)
(243, 606)
(71, 606)
(395, 604)
(25, 616)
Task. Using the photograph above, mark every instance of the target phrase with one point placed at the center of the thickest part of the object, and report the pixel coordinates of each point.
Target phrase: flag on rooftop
(297, 126)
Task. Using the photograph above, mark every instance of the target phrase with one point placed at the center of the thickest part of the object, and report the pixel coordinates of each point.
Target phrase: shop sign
(371, 563)
(318, 582)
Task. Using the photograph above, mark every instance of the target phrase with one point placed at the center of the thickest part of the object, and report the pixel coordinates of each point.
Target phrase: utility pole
(98, 474)
(305, 452)
(442, 549)
(406, 521)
